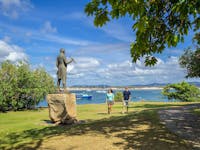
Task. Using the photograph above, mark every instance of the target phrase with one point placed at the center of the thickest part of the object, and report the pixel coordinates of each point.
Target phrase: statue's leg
(58, 83)
(64, 82)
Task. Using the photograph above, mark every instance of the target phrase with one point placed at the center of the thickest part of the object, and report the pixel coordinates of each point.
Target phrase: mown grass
(139, 129)
(196, 111)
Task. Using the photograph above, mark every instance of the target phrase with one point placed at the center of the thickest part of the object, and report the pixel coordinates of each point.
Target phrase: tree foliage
(118, 97)
(158, 23)
(21, 87)
(182, 91)
(191, 59)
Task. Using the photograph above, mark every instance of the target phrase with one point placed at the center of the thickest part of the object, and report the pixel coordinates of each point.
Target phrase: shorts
(110, 102)
(126, 102)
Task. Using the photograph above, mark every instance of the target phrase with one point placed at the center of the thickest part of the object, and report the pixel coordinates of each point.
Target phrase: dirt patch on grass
(112, 139)
(86, 142)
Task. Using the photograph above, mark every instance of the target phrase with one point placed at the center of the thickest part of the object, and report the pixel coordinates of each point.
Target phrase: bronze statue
(61, 64)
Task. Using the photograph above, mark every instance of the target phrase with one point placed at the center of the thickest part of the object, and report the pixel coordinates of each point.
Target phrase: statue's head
(62, 50)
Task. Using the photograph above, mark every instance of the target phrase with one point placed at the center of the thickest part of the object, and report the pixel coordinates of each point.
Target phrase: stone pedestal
(62, 108)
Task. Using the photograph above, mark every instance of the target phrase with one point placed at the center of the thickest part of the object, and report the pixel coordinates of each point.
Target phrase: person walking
(110, 100)
(126, 99)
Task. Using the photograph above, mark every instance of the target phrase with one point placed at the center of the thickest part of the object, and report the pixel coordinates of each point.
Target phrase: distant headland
(153, 86)
(114, 88)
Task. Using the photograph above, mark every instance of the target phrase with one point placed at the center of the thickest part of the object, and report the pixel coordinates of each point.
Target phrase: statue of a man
(61, 64)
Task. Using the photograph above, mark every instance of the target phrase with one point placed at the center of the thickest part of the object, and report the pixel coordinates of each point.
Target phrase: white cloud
(83, 65)
(12, 8)
(126, 73)
(14, 56)
(7, 39)
(48, 28)
(86, 62)
(11, 52)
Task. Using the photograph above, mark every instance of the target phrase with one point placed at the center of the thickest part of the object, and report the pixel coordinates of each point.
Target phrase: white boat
(87, 96)
(101, 91)
(83, 96)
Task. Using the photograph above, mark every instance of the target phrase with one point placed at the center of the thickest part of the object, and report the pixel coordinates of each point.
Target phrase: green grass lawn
(196, 111)
(139, 129)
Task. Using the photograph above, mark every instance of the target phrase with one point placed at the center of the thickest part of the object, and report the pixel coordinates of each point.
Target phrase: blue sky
(35, 30)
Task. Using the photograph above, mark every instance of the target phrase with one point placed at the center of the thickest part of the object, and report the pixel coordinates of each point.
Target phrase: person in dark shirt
(126, 99)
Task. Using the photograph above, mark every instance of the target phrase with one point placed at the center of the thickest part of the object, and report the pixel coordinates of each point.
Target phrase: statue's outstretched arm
(70, 61)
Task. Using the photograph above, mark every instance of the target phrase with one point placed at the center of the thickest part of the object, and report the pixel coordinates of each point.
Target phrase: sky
(35, 30)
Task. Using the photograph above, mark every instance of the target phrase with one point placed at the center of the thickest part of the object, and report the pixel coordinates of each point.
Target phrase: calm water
(99, 97)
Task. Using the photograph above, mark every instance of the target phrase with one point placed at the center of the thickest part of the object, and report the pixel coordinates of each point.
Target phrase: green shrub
(118, 96)
(182, 91)
(21, 87)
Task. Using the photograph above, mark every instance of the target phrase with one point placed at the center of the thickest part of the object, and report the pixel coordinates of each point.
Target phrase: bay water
(99, 97)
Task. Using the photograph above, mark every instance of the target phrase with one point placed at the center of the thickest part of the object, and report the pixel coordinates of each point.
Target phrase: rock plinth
(62, 108)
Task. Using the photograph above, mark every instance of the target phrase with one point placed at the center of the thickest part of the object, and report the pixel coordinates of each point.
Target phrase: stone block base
(62, 108)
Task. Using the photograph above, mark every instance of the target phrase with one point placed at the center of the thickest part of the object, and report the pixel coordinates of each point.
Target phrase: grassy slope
(139, 129)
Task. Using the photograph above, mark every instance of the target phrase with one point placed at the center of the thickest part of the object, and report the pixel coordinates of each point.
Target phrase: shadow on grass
(151, 106)
(138, 130)
(157, 106)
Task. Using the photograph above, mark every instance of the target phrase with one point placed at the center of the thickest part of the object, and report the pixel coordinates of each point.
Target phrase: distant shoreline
(114, 88)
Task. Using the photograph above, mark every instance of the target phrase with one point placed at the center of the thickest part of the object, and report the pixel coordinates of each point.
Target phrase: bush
(182, 91)
(118, 97)
(21, 87)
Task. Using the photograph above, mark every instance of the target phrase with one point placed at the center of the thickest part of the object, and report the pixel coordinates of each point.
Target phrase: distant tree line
(22, 87)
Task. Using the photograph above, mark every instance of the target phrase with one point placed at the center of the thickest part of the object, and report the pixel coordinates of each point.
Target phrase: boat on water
(87, 96)
(101, 91)
(83, 96)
